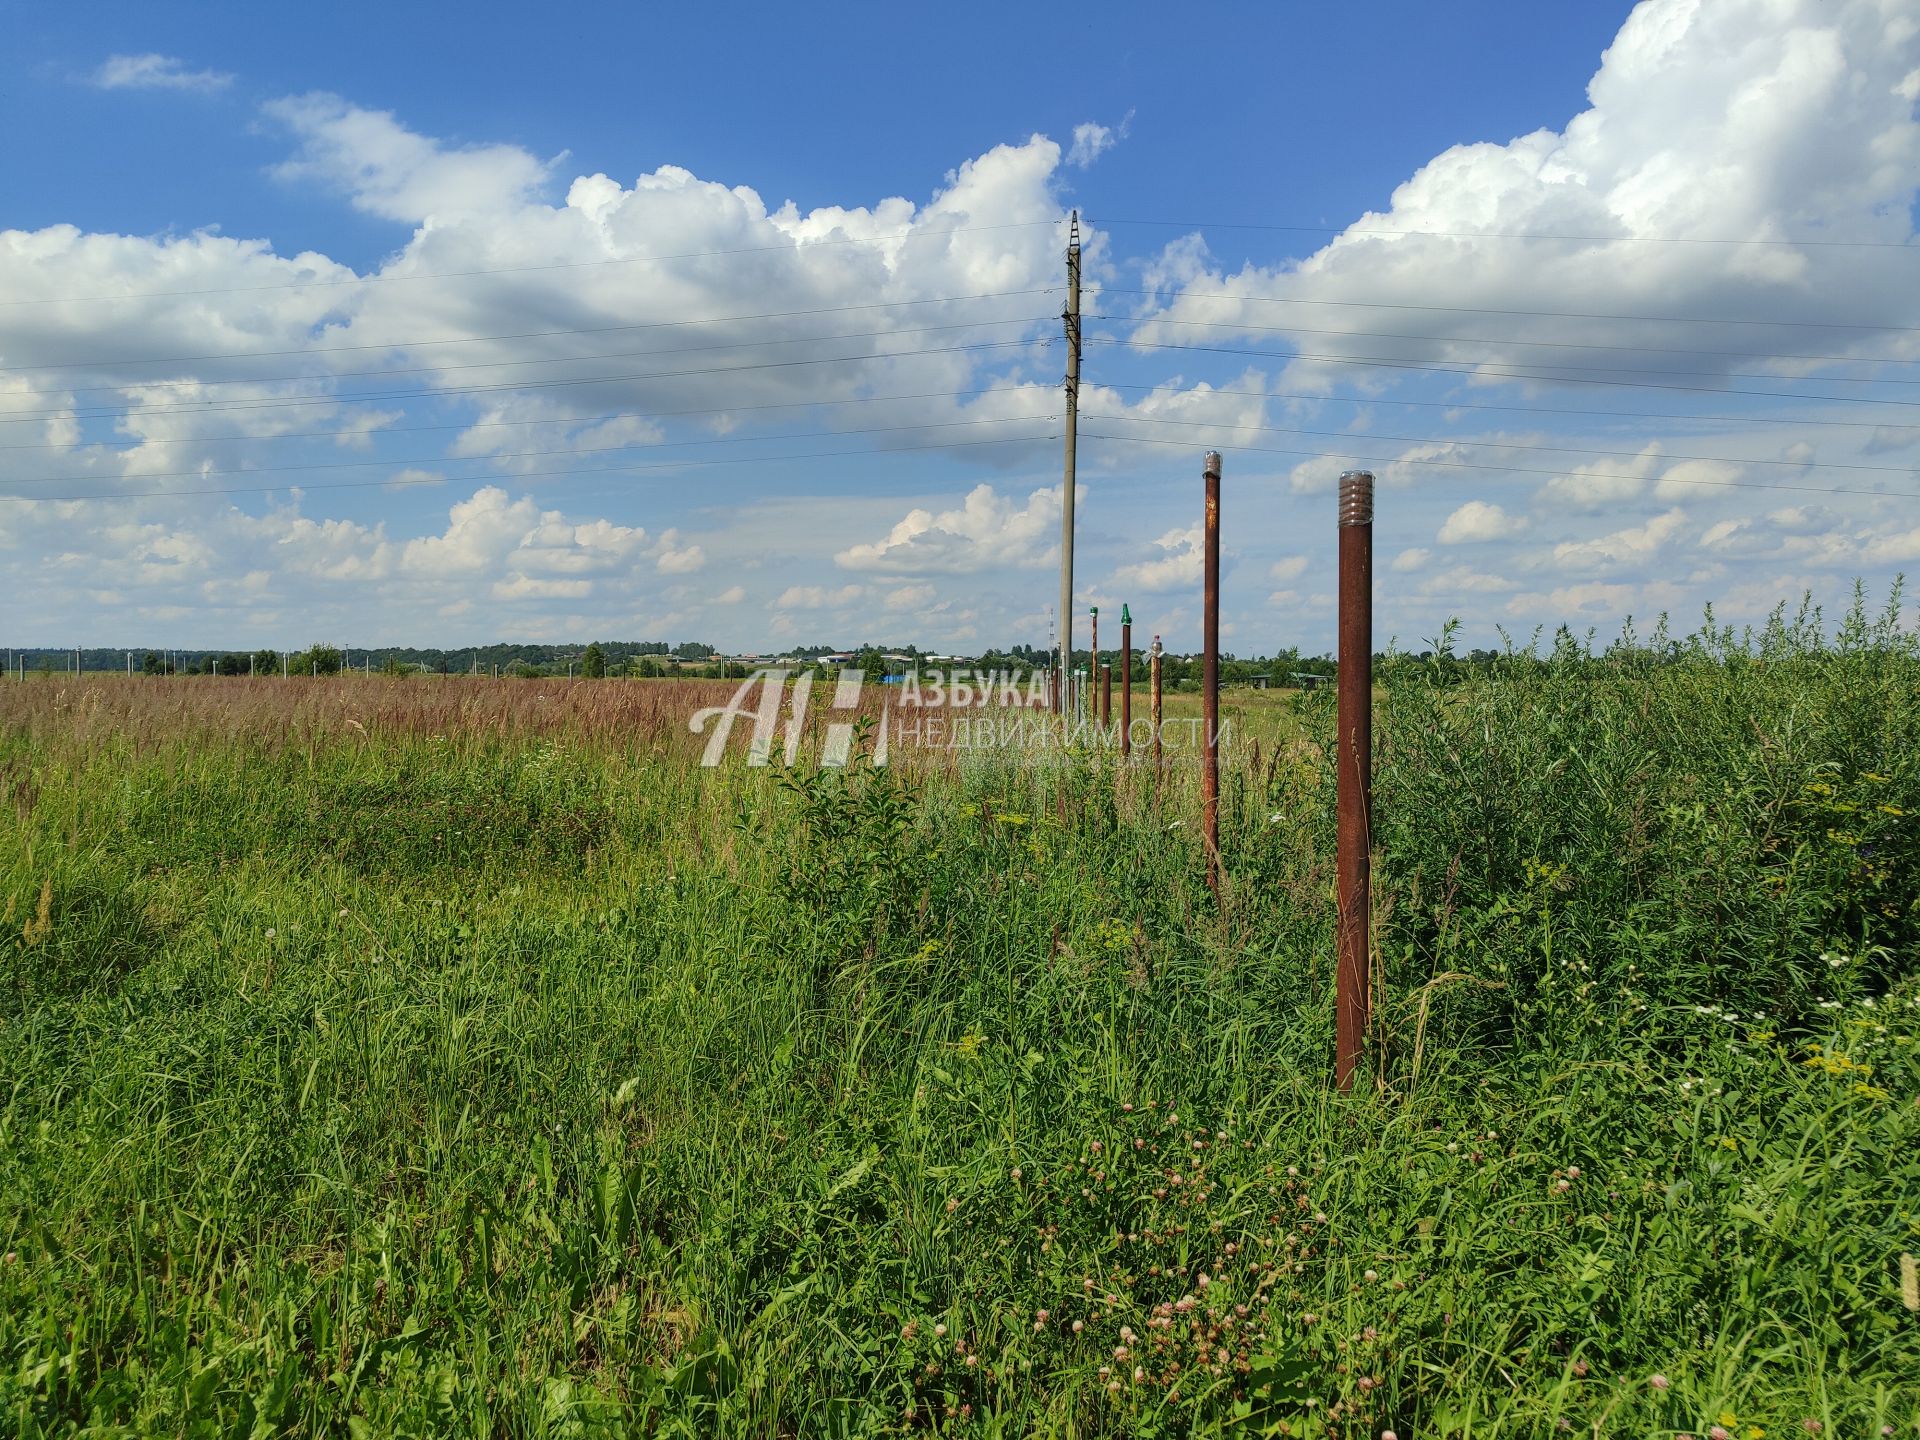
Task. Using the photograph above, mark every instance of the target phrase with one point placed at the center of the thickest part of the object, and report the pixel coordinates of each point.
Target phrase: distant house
(1307, 679)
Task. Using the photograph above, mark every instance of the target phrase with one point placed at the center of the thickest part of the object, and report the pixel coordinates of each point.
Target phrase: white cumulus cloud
(155, 72)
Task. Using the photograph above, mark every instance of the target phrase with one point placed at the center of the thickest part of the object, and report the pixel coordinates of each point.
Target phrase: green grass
(503, 1076)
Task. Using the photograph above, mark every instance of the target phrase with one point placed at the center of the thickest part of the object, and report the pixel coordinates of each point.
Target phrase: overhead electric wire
(414, 344)
(135, 444)
(495, 457)
(796, 244)
(331, 376)
(1562, 474)
(1334, 397)
(1144, 320)
(1534, 314)
(1513, 235)
(1470, 369)
(101, 412)
(532, 474)
(1465, 441)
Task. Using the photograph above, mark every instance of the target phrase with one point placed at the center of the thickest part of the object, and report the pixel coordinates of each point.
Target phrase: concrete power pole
(1072, 319)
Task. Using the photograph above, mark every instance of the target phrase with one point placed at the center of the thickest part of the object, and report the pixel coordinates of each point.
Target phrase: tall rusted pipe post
(1210, 678)
(1153, 699)
(1352, 861)
(1126, 682)
(1093, 661)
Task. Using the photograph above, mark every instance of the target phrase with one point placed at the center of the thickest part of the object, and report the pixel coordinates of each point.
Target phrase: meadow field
(457, 1057)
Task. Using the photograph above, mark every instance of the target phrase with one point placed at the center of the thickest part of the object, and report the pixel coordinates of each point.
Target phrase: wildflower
(1810, 1425)
(1016, 1175)
(952, 1205)
(1659, 1382)
(1095, 1147)
(271, 934)
(1580, 1369)
(1078, 1326)
(1139, 1374)
(1573, 1172)
(940, 1332)
(1370, 1276)
(1719, 1432)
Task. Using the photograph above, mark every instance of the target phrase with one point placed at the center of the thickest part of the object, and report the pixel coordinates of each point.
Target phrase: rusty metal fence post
(1093, 662)
(1153, 700)
(1126, 682)
(1354, 774)
(1210, 678)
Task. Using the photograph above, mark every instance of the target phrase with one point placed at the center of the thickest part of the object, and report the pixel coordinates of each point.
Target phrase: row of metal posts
(1354, 736)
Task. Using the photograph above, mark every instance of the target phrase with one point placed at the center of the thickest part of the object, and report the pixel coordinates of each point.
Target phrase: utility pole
(1072, 321)
(1353, 776)
(1210, 678)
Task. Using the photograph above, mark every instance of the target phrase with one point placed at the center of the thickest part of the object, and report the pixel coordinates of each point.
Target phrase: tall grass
(435, 1057)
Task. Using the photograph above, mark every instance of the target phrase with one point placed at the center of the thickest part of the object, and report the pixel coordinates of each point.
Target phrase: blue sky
(562, 257)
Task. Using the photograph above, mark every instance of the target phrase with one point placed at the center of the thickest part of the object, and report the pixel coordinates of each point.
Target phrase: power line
(797, 244)
(500, 424)
(1471, 369)
(1334, 396)
(252, 405)
(534, 474)
(1523, 235)
(1465, 441)
(1531, 344)
(524, 334)
(1526, 470)
(1535, 314)
(563, 359)
(500, 455)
